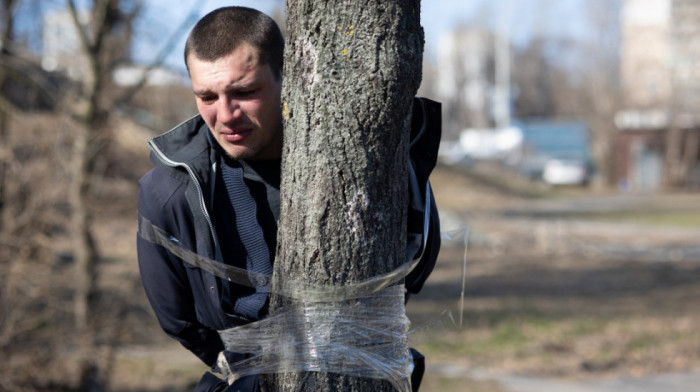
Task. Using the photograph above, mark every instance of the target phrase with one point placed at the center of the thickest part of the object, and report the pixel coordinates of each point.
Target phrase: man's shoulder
(160, 186)
(182, 143)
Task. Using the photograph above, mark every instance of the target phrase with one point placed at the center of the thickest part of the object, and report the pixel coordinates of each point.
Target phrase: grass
(563, 316)
(569, 345)
(662, 218)
(173, 370)
(554, 312)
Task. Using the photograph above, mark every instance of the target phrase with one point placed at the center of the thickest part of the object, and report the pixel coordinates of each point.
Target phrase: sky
(523, 17)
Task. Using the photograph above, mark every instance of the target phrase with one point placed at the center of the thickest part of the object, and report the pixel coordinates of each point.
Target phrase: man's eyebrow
(201, 92)
(233, 86)
(243, 85)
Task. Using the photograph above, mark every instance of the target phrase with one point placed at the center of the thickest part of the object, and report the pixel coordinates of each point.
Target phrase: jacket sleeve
(417, 277)
(426, 131)
(164, 277)
(211, 383)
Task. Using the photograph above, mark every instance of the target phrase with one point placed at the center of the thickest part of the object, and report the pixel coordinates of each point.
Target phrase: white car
(565, 172)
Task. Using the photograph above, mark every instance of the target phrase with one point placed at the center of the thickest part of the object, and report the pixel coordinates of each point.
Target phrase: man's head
(234, 57)
(219, 32)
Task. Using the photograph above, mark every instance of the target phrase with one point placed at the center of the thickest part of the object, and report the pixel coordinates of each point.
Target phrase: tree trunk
(4, 149)
(601, 131)
(84, 250)
(691, 152)
(673, 156)
(90, 122)
(351, 71)
(7, 38)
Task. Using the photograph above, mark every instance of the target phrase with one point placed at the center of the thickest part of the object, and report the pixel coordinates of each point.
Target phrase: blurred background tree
(62, 108)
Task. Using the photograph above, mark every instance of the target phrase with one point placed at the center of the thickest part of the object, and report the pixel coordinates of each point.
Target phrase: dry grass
(553, 310)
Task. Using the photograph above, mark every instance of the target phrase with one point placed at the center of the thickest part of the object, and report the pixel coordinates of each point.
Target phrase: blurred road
(676, 382)
(582, 223)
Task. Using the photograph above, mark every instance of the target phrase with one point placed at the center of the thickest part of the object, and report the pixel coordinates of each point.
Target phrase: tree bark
(351, 72)
(673, 157)
(681, 154)
(85, 251)
(7, 37)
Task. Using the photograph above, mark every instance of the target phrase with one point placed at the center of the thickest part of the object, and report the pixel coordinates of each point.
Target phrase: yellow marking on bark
(285, 111)
(349, 31)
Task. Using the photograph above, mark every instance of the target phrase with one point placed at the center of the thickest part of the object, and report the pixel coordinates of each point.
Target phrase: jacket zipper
(169, 162)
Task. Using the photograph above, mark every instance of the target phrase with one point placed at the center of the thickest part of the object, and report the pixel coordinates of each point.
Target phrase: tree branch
(129, 94)
(82, 34)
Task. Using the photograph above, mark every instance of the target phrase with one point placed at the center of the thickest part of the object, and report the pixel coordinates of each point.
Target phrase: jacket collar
(186, 144)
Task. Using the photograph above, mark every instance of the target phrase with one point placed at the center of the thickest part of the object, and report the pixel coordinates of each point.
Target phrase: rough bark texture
(351, 71)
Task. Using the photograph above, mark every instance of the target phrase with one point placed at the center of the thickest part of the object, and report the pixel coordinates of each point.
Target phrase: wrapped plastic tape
(358, 329)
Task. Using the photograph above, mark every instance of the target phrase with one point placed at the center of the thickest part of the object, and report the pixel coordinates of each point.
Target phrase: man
(231, 152)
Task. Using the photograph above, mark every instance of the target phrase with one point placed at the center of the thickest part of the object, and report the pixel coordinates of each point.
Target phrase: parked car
(565, 172)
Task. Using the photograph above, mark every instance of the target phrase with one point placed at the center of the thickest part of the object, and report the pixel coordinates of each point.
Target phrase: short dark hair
(223, 30)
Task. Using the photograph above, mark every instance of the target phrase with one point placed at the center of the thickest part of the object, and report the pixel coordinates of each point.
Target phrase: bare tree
(8, 8)
(351, 71)
(532, 75)
(683, 137)
(105, 39)
(42, 131)
(32, 191)
(599, 59)
(91, 116)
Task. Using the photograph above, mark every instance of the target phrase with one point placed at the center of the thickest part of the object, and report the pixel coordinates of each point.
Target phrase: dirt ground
(563, 283)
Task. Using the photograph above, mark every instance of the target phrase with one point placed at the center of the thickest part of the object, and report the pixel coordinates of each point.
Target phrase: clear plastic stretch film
(363, 337)
(296, 289)
(359, 329)
(459, 237)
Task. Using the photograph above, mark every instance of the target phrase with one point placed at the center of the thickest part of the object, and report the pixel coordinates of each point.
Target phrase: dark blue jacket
(177, 196)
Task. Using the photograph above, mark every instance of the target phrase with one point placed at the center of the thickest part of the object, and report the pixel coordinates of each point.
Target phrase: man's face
(239, 99)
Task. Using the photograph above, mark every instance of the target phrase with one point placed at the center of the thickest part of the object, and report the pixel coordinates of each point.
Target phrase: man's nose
(229, 110)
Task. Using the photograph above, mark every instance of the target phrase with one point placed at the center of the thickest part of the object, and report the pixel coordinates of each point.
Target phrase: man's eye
(246, 93)
(208, 99)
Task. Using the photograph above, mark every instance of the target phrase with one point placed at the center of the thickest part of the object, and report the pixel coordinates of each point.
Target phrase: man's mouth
(236, 134)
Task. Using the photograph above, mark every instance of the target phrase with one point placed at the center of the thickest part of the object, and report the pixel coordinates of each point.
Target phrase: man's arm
(164, 277)
(171, 299)
(426, 131)
(417, 277)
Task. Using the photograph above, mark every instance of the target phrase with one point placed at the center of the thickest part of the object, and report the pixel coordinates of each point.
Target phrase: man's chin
(241, 153)
(252, 152)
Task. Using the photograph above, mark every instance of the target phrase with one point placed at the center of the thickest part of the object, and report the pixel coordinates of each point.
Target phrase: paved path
(680, 382)
(676, 382)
